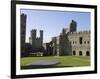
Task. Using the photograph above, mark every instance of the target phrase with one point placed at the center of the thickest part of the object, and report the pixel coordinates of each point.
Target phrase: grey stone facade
(80, 42)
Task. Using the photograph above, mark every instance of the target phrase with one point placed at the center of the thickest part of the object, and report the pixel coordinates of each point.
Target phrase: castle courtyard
(69, 47)
(65, 61)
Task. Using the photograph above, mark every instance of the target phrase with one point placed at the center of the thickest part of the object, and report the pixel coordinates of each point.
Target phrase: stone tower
(73, 26)
(33, 33)
(35, 41)
(33, 37)
(41, 36)
(23, 32)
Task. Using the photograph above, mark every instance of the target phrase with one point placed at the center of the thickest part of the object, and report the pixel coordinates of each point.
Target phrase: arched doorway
(80, 53)
(87, 53)
(74, 52)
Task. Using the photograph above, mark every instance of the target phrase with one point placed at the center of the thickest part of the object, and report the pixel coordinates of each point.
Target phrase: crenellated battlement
(80, 32)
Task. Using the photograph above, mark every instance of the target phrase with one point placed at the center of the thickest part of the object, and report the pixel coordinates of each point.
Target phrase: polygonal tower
(73, 26)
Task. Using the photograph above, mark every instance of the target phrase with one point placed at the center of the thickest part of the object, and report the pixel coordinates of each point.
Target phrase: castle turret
(73, 26)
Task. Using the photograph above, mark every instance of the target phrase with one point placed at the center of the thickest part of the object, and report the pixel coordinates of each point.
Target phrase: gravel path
(44, 62)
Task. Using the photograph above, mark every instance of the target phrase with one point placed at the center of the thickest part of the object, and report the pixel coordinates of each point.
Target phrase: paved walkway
(43, 63)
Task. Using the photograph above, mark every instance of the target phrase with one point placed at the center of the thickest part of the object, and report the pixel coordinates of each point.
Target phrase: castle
(69, 42)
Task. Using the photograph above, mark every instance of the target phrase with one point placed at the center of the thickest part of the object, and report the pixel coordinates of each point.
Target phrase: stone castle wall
(75, 39)
(70, 44)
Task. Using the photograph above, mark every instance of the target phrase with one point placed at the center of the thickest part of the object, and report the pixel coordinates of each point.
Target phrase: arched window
(87, 53)
(80, 53)
(74, 52)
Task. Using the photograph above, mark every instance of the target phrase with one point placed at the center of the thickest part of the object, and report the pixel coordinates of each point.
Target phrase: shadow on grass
(41, 67)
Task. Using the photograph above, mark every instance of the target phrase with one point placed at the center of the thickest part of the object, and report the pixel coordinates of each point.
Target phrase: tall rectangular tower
(23, 32)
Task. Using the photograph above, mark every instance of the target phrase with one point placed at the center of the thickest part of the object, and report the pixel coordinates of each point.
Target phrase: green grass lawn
(65, 61)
